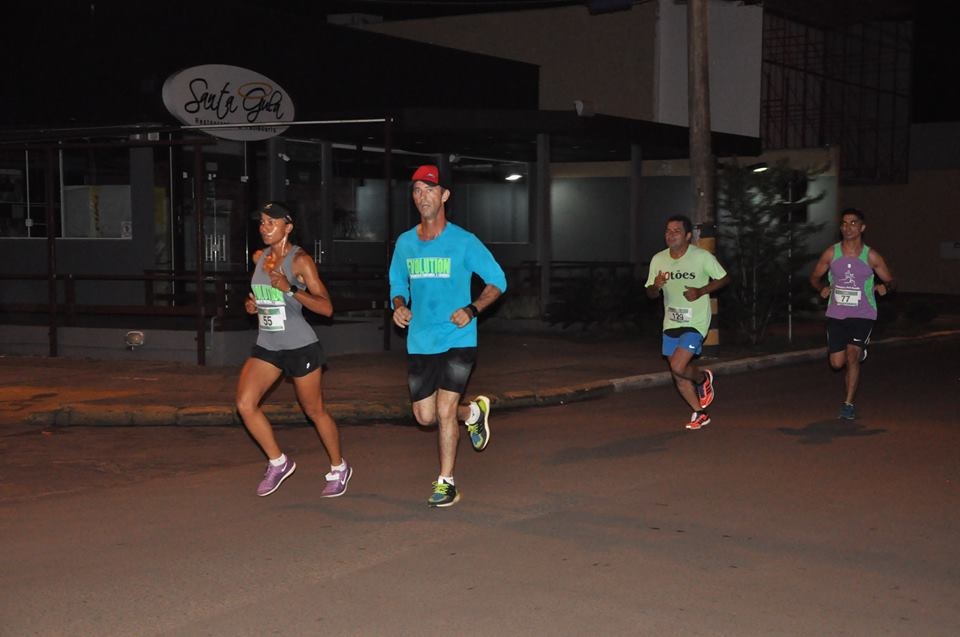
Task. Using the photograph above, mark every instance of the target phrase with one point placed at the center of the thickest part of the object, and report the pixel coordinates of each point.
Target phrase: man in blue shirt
(430, 275)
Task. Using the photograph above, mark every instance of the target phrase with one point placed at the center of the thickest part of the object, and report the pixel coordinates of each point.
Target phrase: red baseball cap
(428, 174)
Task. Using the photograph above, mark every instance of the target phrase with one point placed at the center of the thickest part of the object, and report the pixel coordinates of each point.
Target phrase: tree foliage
(763, 238)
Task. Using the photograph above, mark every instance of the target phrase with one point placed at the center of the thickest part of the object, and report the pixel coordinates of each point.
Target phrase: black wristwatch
(292, 291)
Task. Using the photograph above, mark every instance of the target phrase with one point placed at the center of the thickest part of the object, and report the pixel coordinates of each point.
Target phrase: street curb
(120, 415)
(561, 395)
(767, 361)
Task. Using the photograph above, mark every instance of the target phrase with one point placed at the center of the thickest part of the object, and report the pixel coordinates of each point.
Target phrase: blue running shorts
(684, 337)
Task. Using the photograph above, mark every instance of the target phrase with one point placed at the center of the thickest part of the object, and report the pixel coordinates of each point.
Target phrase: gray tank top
(282, 325)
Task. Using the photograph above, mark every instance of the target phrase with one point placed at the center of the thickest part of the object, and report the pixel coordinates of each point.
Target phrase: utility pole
(702, 165)
(698, 96)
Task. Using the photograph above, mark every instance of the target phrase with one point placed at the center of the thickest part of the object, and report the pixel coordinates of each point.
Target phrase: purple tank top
(851, 282)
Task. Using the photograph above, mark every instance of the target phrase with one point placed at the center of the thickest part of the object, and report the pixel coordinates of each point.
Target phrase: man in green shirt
(686, 275)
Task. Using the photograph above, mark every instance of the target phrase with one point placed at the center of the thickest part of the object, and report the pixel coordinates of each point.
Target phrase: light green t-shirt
(694, 269)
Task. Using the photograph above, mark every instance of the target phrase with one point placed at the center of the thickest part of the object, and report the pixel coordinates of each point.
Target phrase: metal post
(388, 240)
(790, 262)
(790, 285)
(544, 237)
(198, 201)
(326, 204)
(51, 253)
(240, 218)
(636, 207)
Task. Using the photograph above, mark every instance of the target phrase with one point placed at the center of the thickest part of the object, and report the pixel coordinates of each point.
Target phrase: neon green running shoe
(480, 430)
(444, 495)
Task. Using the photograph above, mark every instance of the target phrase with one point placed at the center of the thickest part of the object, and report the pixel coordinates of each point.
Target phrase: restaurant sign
(235, 102)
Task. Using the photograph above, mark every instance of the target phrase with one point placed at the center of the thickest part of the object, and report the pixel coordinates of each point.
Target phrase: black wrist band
(473, 309)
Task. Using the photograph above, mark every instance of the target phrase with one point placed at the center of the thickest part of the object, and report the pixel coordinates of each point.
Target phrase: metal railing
(169, 294)
(353, 288)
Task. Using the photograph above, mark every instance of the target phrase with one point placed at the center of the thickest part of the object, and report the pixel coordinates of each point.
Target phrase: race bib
(680, 314)
(847, 297)
(272, 319)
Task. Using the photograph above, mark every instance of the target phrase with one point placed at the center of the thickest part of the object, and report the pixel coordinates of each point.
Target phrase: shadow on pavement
(824, 431)
(631, 447)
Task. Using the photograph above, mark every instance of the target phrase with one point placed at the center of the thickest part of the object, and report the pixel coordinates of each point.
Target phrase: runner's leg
(852, 376)
(309, 390)
(425, 410)
(256, 378)
(685, 373)
(447, 403)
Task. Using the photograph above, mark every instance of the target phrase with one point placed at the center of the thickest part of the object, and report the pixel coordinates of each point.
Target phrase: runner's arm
(465, 314)
(709, 288)
(490, 294)
(879, 265)
(315, 298)
(715, 285)
(816, 276)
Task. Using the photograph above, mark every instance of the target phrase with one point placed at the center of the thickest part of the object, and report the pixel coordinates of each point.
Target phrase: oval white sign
(235, 102)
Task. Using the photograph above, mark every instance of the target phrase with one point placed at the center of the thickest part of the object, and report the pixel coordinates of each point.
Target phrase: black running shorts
(293, 362)
(426, 373)
(851, 331)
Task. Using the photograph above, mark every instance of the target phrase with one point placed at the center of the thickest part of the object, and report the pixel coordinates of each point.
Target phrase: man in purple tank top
(855, 272)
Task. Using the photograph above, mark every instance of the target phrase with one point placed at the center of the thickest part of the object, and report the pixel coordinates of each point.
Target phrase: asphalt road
(604, 517)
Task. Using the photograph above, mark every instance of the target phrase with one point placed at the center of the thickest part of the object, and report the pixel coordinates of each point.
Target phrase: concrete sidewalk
(515, 370)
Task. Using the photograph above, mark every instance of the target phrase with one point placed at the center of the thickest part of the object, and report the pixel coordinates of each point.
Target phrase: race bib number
(848, 297)
(272, 319)
(680, 314)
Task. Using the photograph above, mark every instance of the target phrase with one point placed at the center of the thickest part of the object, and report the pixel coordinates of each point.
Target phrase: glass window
(360, 200)
(22, 202)
(590, 219)
(95, 187)
(369, 218)
(497, 212)
(227, 220)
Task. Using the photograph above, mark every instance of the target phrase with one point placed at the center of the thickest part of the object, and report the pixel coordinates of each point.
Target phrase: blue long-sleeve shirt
(433, 277)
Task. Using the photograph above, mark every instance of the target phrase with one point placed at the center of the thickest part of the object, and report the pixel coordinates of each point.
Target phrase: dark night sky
(936, 77)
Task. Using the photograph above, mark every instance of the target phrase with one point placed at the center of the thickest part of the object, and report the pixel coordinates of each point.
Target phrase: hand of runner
(461, 318)
(825, 292)
(661, 280)
(692, 294)
(250, 304)
(402, 316)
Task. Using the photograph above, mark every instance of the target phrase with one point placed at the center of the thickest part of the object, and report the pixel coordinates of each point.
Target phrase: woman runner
(285, 280)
